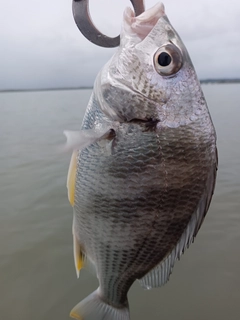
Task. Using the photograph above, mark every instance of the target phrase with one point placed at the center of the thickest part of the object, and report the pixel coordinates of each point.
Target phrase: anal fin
(78, 255)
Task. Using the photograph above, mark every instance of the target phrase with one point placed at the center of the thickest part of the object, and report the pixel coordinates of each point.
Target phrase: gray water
(37, 276)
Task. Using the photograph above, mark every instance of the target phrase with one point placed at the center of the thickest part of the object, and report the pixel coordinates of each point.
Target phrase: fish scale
(163, 199)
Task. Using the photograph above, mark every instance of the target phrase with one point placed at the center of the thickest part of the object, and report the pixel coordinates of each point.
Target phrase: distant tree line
(236, 80)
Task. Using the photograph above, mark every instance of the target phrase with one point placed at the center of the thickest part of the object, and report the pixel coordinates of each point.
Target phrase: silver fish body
(143, 189)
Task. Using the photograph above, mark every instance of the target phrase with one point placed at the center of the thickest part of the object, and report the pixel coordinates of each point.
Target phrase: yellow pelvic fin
(71, 178)
(75, 316)
(78, 255)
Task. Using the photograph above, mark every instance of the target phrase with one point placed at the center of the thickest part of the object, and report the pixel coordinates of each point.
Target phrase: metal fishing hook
(84, 22)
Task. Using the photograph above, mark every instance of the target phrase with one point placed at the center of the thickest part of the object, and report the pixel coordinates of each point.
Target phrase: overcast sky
(40, 45)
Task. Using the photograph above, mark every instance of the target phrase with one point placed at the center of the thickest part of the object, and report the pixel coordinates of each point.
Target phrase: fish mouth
(143, 24)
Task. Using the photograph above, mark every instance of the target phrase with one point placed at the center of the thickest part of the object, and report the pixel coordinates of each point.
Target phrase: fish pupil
(164, 59)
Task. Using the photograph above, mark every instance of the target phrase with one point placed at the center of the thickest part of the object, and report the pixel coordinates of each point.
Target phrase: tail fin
(94, 308)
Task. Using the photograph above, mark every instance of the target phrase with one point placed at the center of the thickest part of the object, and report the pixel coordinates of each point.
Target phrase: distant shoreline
(204, 81)
(46, 89)
(207, 81)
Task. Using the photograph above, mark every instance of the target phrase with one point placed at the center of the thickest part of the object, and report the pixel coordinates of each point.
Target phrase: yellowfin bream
(144, 167)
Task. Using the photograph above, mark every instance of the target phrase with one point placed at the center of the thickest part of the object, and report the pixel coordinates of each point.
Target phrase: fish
(143, 167)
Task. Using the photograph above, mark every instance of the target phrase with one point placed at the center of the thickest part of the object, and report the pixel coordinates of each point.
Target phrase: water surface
(37, 276)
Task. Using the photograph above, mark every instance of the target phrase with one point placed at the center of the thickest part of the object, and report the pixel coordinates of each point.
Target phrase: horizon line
(202, 81)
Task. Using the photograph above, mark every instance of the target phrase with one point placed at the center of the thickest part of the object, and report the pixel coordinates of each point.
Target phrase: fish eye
(164, 59)
(168, 60)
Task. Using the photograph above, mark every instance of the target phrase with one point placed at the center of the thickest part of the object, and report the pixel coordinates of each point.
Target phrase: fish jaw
(139, 27)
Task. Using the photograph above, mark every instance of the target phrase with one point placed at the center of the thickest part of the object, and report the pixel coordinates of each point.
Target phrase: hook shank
(84, 22)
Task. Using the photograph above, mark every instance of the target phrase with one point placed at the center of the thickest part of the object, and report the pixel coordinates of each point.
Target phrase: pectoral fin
(77, 140)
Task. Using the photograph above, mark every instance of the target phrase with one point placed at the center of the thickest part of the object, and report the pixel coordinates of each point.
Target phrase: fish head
(151, 76)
